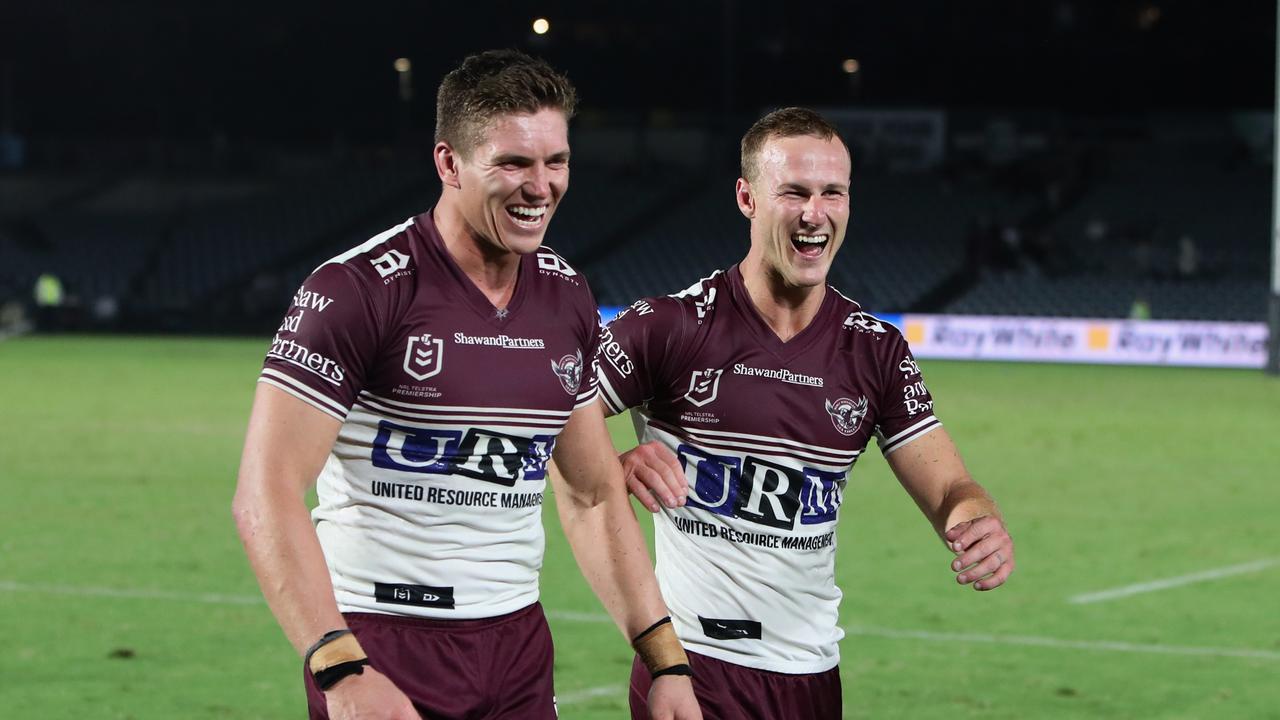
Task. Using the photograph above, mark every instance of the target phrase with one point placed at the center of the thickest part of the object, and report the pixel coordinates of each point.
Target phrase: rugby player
(754, 392)
(423, 380)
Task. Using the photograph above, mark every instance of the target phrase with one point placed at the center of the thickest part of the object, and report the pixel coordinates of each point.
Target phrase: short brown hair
(493, 83)
(787, 122)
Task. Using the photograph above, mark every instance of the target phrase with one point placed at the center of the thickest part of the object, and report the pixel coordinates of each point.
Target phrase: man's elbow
(246, 508)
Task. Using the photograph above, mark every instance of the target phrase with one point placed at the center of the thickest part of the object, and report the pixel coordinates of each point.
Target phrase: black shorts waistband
(409, 621)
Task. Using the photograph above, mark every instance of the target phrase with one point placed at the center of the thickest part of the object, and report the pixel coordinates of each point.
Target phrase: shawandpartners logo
(301, 356)
(502, 341)
(781, 374)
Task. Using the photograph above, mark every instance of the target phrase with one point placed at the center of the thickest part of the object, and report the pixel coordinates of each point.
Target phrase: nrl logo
(423, 356)
(846, 414)
(863, 322)
(703, 386)
(569, 370)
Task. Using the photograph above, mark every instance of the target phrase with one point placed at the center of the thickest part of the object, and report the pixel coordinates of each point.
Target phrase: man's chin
(812, 275)
(524, 245)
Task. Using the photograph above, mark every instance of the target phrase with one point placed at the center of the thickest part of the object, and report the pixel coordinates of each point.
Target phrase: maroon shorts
(492, 668)
(732, 692)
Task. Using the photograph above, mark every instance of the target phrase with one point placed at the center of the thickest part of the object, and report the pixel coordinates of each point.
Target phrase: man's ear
(447, 160)
(746, 199)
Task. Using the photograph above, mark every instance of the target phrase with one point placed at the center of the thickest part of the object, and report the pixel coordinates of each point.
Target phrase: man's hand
(369, 696)
(985, 552)
(671, 698)
(653, 472)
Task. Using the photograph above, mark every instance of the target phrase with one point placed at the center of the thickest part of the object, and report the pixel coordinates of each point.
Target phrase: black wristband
(324, 640)
(650, 629)
(329, 677)
(674, 670)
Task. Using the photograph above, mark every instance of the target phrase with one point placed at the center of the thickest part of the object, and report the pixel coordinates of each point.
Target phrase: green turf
(118, 459)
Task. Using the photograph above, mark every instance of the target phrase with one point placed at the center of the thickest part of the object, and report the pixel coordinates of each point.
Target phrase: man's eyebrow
(511, 158)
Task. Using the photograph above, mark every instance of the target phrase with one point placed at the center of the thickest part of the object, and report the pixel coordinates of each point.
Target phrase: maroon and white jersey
(430, 503)
(767, 432)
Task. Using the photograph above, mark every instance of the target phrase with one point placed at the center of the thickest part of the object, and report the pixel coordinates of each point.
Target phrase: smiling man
(754, 392)
(423, 380)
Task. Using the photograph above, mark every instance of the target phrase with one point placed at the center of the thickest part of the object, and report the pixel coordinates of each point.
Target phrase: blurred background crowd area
(180, 168)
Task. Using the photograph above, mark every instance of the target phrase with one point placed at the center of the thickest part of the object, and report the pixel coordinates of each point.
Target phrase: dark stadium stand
(906, 236)
(224, 252)
(1121, 242)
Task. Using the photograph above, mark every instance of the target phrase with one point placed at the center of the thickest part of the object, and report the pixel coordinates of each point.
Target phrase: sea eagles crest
(423, 356)
(846, 414)
(703, 386)
(569, 370)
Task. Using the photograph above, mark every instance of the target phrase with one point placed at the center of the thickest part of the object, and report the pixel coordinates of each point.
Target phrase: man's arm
(608, 545)
(961, 511)
(651, 470)
(284, 450)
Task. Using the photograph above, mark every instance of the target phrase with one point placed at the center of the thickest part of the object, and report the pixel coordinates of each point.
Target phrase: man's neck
(787, 310)
(492, 270)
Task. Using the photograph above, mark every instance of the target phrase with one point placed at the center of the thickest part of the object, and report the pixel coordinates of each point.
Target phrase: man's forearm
(965, 500)
(610, 549)
(285, 553)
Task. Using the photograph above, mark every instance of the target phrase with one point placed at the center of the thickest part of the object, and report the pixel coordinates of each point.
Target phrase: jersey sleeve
(637, 350)
(324, 346)
(588, 388)
(906, 406)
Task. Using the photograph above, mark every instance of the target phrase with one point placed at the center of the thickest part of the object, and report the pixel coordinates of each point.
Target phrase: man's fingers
(976, 530)
(680, 486)
(953, 534)
(657, 484)
(642, 493)
(996, 579)
(981, 569)
(657, 468)
(978, 553)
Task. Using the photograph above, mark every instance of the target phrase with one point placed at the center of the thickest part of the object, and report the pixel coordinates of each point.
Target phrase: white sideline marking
(572, 616)
(578, 696)
(210, 598)
(1173, 582)
(1103, 645)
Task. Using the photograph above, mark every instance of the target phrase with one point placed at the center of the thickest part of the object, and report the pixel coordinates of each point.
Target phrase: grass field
(124, 592)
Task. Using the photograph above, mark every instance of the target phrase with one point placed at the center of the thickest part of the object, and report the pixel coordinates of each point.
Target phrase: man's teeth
(811, 239)
(530, 212)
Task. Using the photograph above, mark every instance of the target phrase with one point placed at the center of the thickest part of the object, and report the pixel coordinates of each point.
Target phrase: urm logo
(481, 454)
(760, 491)
(415, 449)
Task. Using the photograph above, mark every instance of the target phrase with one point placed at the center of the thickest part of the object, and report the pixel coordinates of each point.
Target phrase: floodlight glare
(850, 66)
(402, 65)
(541, 26)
